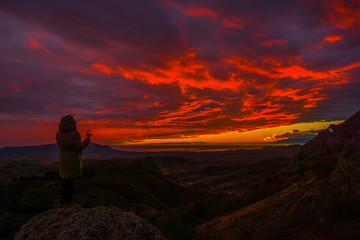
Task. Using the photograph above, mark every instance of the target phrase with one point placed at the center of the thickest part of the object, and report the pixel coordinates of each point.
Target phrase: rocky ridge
(332, 151)
(335, 138)
(100, 223)
(321, 199)
(331, 165)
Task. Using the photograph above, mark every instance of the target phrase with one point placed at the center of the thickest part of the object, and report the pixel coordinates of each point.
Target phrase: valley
(186, 187)
(294, 192)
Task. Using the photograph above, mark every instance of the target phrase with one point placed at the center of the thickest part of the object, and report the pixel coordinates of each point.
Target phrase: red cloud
(330, 39)
(271, 108)
(33, 43)
(102, 68)
(198, 11)
(343, 14)
(334, 38)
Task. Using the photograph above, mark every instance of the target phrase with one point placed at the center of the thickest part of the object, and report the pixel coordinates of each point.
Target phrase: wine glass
(88, 133)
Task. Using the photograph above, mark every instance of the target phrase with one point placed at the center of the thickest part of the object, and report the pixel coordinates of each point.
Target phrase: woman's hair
(67, 123)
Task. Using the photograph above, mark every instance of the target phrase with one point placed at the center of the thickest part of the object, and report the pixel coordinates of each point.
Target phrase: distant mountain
(316, 197)
(48, 151)
(51, 151)
(97, 151)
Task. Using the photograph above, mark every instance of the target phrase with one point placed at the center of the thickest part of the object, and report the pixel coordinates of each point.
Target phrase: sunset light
(140, 72)
(179, 119)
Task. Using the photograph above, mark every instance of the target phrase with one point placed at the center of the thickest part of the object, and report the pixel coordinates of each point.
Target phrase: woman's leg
(67, 191)
(63, 192)
(70, 190)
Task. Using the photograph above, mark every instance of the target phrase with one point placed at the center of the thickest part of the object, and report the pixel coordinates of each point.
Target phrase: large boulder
(98, 223)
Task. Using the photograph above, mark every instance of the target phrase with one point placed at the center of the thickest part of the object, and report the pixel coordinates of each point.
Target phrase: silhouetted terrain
(308, 192)
(318, 195)
(173, 192)
(49, 152)
(30, 160)
(135, 185)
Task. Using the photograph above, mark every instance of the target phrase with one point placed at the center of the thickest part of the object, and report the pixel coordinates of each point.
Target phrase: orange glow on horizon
(102, 134)
(253, 136)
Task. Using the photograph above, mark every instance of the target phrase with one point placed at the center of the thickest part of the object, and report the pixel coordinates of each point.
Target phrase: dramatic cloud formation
(140, 69)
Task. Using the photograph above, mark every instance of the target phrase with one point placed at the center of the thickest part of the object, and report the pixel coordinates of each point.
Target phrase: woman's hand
(88, 133)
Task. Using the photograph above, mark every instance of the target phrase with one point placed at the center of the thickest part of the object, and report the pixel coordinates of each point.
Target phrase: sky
(145, 71)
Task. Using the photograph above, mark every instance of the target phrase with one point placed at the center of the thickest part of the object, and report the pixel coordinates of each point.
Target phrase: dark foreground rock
(98, 223)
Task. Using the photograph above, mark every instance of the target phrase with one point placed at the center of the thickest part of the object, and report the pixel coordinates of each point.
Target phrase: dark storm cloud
(291, 28)
(35, 83)
(112, 27)
(112, 20)
(297, 134)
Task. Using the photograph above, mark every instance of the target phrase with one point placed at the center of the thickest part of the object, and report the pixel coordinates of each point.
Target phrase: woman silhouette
(70, 164)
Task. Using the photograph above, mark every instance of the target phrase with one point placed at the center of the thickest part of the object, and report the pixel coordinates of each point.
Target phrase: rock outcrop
(334, 138)
(98, 223)
(331, 162)
(332, 150)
